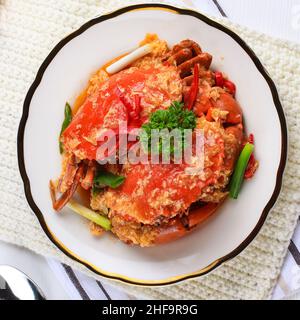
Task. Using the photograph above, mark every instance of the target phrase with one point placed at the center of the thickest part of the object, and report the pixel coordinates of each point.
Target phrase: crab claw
(226, 102)
(222, 101)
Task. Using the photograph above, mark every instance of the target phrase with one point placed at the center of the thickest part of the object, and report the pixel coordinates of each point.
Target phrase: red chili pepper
(133, 111)
(194, 88)
(252, 164)
(251, 167)
(251, 138)
(135, 123)
(209, 115)
(230, 86)
(219, 79)
(124, 99)
(135, 114)
(137, 102)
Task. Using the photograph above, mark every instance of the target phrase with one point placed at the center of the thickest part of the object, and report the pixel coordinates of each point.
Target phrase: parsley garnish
(164, 121)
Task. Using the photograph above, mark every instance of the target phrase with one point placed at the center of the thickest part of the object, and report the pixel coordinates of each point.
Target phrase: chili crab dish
(155, 87)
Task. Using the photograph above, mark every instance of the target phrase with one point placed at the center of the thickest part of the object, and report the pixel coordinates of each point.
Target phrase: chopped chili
(209, 115)
(194, 88)
(252, 164)
(230, 86)
(219, 79)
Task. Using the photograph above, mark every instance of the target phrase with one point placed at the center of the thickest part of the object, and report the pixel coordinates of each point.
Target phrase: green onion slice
(108, 179)
(239, 171)
(65, 124)
(89, 214)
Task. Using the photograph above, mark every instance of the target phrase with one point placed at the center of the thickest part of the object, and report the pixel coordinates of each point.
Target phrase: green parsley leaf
(175, 117)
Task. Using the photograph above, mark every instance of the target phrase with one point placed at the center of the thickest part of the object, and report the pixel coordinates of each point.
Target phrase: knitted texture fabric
(28, 31)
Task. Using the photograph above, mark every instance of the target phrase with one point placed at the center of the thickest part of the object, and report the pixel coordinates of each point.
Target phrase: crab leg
(66, 180)
(180, 56)
(226, 102)
(87, 182)
(203, 59)
(190, 44)
(59, 203)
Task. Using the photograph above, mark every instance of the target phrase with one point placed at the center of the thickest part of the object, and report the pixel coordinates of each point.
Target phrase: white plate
(64, 74)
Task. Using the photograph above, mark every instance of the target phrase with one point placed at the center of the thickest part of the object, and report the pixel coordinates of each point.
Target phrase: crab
(156, 203)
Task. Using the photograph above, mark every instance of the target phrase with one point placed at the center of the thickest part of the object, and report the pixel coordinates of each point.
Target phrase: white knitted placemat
(28, 31)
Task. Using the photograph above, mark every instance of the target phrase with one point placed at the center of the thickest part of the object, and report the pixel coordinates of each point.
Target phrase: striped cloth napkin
(81, 287)
(289, 280)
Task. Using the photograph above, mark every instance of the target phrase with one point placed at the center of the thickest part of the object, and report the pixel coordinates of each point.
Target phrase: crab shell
(157, 88)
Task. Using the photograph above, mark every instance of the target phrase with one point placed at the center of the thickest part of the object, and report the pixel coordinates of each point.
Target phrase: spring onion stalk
(65, 124)
(108, 179)
(239, 171)
(89, 214)
(129, 58)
